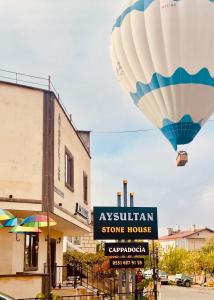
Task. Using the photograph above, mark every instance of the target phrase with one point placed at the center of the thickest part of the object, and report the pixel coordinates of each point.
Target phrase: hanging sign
(128, 263)
(125, 249)
(80, 210)
(128, 223)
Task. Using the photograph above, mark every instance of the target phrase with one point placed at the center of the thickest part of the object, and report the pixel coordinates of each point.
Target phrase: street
(182, 293)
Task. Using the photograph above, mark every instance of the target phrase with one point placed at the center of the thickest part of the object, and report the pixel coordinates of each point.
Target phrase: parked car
(183, 280)
(148, 274)
(163, 277)
(5, 297)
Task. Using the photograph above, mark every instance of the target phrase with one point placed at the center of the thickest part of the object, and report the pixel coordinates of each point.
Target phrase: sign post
(126, 249)
(133, 271)
(127, 263)
(154, 265)
(125, 196)
(123, 223)
(119, 204)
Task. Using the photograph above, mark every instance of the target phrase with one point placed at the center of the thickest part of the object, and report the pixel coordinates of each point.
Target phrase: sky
(70, 41)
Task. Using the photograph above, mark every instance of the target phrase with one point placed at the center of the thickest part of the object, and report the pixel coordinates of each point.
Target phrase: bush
(96, 262)
(40, 296)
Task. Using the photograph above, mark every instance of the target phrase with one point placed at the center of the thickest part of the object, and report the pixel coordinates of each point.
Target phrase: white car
(163, 277)
(148, 274)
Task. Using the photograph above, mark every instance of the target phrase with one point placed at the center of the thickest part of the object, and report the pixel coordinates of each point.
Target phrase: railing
(36, 82)
(138, 295)
(26, 79)
(92, 280)
(74, 274)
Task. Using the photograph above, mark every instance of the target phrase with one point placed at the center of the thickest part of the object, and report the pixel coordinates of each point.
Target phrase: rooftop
(182, 234)
(44, 84)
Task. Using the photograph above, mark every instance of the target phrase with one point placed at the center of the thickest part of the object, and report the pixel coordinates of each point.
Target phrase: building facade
(44, 168)
(193, 239)
(84, 244)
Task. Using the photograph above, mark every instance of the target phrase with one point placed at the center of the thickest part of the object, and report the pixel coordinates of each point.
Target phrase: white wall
(21, 136)
(21, 287)
(69, 138)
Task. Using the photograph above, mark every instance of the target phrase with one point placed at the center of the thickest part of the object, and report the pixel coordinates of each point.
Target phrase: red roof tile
(182, 234)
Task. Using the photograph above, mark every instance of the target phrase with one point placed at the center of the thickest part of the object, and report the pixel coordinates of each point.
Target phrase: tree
(86, 259)
(96, 262)
(172, 261)
(192, 262)
(209, 246)
(189, 262)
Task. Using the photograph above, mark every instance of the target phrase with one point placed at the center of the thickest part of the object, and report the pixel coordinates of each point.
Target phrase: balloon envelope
(163, 54)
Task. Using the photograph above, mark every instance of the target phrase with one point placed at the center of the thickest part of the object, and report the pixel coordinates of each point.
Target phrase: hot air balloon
(163, 54)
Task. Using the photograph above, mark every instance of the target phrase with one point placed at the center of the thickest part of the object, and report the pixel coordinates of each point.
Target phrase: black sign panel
(127, 263)
(125, 249)
(82, 211)
(128, 223)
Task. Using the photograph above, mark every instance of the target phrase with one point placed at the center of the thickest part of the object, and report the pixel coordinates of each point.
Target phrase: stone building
(192, 239)
(44, 168)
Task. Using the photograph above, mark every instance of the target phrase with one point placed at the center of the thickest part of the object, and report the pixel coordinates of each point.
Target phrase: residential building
(192, 239)
(84, 244)
(44, 169)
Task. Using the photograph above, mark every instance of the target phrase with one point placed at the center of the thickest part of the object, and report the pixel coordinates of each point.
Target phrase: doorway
(53, 262)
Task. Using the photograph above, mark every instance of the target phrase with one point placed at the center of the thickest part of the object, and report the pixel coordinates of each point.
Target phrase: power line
(130, 131)
(124, 131)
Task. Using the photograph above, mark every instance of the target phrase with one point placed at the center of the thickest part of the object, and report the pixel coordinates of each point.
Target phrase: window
(69, 170)
(77, 240)
(31, 251)
(85, 188)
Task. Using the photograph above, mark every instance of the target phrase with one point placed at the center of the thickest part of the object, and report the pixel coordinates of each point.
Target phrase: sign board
(128, 223)
(127, 263)
(80, 210)
(125, 249)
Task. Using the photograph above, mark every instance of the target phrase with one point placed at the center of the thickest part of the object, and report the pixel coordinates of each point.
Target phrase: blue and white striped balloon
(163, 54)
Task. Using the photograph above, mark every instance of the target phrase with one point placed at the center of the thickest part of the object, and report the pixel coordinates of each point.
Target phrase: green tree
(87, 259)
(192, 262)
(172, 261)
(95, 262)
(209, 246)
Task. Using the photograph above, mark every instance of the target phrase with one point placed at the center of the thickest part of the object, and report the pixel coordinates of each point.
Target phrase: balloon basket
(181, 159)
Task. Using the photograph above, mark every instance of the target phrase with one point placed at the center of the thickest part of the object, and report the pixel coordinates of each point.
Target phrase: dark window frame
(76, 240)
(36, 252)
(69, 183)
(85, 188)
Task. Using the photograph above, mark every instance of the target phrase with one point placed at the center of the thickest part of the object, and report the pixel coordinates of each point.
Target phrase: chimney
(177, 228)
(193, 228)
(170, 231)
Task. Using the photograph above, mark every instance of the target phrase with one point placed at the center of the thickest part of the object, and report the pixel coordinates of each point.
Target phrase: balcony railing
(75, 274)
(40, 82)
(138, 295)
